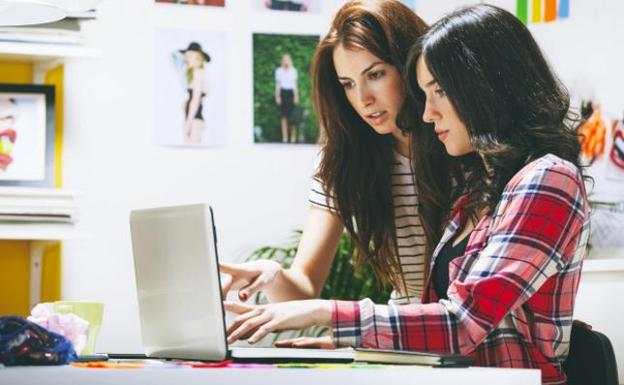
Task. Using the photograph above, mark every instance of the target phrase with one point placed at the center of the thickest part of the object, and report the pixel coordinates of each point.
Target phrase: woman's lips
(442, 134)
(377, 117)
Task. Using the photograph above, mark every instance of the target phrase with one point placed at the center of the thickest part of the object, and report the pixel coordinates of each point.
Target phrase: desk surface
(395, 375)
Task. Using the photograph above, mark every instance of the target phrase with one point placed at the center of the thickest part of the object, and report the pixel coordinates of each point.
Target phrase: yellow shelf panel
(16, 66)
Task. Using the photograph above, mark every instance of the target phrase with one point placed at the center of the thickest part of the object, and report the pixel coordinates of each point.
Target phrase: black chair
(591, 360)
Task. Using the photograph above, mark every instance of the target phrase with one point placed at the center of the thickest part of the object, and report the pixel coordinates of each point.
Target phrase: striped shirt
(511, 295)
(409, 230)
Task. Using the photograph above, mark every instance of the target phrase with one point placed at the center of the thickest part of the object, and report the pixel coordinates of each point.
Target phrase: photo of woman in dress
(287, 97)
(283, 111)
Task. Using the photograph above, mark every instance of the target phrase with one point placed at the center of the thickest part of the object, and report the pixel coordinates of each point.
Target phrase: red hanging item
(617, 150)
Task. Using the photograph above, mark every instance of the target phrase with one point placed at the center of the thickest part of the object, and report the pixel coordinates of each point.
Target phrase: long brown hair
(356, 161)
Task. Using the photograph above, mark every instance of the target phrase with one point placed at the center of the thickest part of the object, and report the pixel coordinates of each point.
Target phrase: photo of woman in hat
(190, 94)
(195, 60)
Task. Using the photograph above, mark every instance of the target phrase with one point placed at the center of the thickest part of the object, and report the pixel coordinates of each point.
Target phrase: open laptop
(179, 291)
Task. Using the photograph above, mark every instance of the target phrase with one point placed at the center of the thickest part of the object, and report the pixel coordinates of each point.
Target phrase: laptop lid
(177, 279)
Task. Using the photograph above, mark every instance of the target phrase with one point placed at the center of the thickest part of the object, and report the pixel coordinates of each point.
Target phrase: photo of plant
(283, 110)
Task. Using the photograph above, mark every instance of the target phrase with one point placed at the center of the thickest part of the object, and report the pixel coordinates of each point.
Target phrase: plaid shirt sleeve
(533, 234)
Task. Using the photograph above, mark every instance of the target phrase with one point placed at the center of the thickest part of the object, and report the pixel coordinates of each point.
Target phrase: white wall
(259, 192)
(585, 51)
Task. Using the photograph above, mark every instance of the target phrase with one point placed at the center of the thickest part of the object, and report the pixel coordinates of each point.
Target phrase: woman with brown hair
(391, 200)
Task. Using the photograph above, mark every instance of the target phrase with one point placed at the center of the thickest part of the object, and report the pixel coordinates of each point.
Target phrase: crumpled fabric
(25, 343)
(70, 326)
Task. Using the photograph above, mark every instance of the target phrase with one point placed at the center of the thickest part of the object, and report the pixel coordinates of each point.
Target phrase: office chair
(591, 360)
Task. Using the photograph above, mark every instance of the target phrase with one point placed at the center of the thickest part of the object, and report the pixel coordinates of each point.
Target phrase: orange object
(550, 10)
(593, 135)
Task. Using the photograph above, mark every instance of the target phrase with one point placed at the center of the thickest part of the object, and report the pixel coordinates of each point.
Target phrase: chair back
(591, 360)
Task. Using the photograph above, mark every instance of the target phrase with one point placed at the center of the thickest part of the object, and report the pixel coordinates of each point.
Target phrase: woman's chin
(457, 152)
(384, 130)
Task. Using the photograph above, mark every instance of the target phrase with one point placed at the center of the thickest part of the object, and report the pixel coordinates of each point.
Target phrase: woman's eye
(375, 75)
(347, 85)
(440, 92)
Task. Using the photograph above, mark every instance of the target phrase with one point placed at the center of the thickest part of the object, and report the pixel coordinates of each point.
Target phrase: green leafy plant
(344, 281)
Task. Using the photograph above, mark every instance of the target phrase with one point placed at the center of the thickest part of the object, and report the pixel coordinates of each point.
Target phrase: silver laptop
(179, 291)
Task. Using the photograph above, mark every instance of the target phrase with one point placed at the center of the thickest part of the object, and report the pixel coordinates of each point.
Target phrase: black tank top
(440, 273)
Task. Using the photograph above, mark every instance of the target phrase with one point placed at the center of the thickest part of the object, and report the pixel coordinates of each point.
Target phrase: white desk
(397, 375)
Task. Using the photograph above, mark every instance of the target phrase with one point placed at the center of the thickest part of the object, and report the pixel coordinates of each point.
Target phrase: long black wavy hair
(356, 161)
(514, 107)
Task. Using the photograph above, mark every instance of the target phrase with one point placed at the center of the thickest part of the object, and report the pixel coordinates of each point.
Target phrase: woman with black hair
(506, 271)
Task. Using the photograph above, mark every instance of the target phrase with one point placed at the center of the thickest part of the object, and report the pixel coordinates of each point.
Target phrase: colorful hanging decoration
(592, 132)
(617, 150)
(542, 10)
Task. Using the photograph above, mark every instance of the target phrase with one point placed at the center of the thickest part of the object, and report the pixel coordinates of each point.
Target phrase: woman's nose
(365, 96)
(430, 114)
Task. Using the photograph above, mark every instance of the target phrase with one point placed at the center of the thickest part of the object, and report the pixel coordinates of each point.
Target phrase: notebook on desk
(180, 302)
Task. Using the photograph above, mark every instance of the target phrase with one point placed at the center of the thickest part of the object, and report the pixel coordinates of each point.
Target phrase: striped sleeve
(319, 196)
(532, 236)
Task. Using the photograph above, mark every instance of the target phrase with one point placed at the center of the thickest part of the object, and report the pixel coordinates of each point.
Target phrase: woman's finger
(263, 331)
(325, 342)
(289, 343)
(229, 268)
(248, 327)
(237, 307)
(246, 292)
(242, 318)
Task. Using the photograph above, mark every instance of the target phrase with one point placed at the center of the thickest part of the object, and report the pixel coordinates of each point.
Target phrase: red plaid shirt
(511, 295)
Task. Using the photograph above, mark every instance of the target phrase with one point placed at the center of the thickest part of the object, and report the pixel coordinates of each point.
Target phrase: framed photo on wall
(191, 88)
(306, 6)
(212, 3)
(27, 135)
(282, 104)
